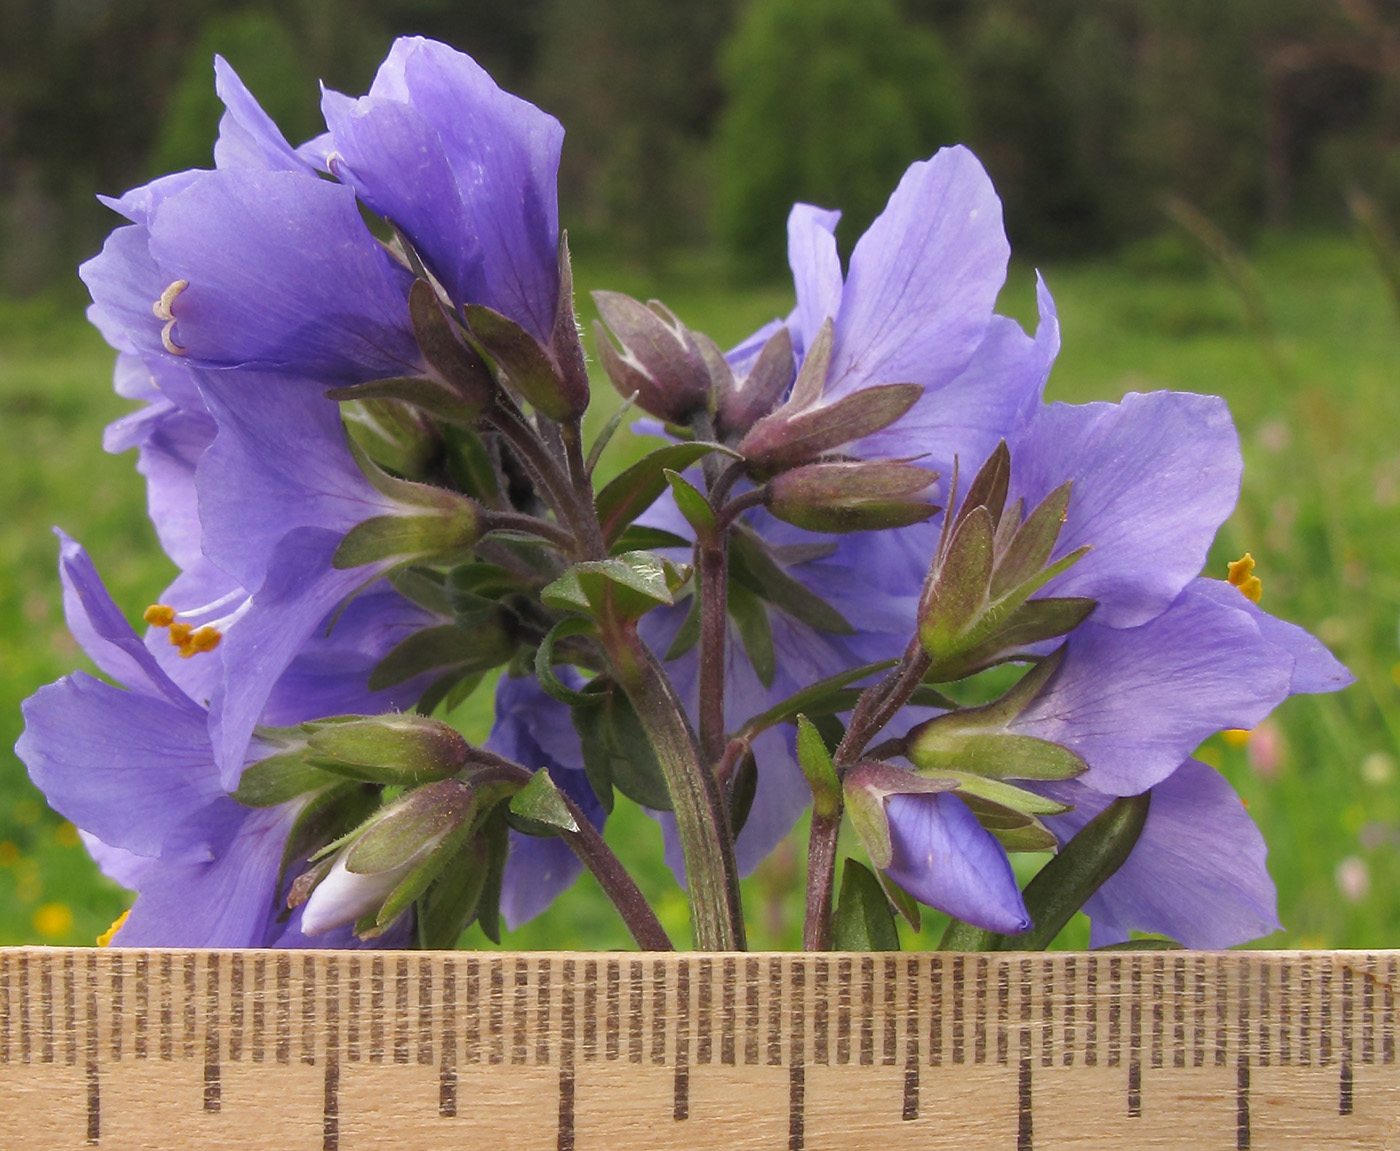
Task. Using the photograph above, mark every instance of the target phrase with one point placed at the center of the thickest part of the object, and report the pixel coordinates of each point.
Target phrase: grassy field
(1317, 400)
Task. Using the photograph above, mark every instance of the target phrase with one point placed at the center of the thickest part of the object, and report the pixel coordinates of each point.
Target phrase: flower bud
(741, 405)
(851, 497)
(393, 856)
(392, 749)
(657, 359)
(791, 437)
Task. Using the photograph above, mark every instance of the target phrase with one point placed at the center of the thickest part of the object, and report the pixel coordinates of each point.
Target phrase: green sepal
(606, 434)
(1006, 794)
(752, 564)
(477, 649)
(496, 835)
(527, 366)
(398, 748)
(280, 778)
(393, 434)
(1082, 866)
(1030, 548)
(448, 906)
(743, 786)
(995, 754)
(905, 905)
(1149, 943)
(328, 817)
(553, 686)
(422, 586)
(864, 919)
(816, 362)
(624, 587)
(452, 360)
(793, 436)
(474, 589)
(750, 614)
(692, 503)
(412, 826)
(1030, 838)
(539, 807)
(989, 486)
(866, 787)
(436, 399)
(959, 594)
(1032, 622)
(405, 538)
(449, 690)
(815, 761)
(617, 753)
(629, 494)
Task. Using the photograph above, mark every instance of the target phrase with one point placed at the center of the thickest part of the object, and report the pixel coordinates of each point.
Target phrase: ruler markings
(284, 1009)
(1047, 1012)
(402, 999)
(352, 1011)
(425, 1014)
(1345, 1086)
(775, 1012)
(1135, 1039)
(1285, 1015)
(979, 1013)
(820, 1020)
(1115, 1011)
(705, 1008)
(843, 1012)
(959, 990)
(1159, 1008)
(70, 1013)
(635, 998)
(1070, 1030)
(659, 1002)
(447, 1045)
(235, 1008)
(1388, 1013)
(22, 983)
(92, 1051)
(330, 1079)
(1324, 1017)
(167, 1007)
(614, 1023)
(6, 1008)
(889, 1053)
(213, 1084)
(1025, 1128)
(913, 980)
(1242, 1071)
(1305, 1012)
(680, 1087)
(544, 1010)
(750, 1011)
(590, 1011)
(46, 1020)
(1368, 1012)
(520, 1012)
(567, 1033)
(496, 1021)
(1003, 1010)
(797, 1069)
(1091, 1011)
(308, 1010)
(935, 1014)
(190, 1013)
(1263, 1054)
(867, 1011)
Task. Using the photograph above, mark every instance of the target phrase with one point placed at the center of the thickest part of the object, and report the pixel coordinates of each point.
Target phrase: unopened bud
(657, 359)
(851, 497)
(743, 404)
(529, 368)
(391, 749)
(419, 533)
(791, 437)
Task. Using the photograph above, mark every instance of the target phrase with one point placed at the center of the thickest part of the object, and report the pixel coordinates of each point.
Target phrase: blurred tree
(829, 102)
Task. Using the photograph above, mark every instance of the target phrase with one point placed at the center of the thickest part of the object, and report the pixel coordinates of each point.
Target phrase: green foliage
(264, 54)
(829, 101)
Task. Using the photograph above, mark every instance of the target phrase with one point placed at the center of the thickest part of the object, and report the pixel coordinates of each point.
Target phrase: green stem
(712, 877)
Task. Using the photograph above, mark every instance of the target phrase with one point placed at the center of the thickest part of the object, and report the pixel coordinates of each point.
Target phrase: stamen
(1242, 576)
(162, 310)
(193, 639)
(105, 939)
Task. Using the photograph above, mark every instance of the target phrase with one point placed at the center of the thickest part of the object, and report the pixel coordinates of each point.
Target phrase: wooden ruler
(336, 1051)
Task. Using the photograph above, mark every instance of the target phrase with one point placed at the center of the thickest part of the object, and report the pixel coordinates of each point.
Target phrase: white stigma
(162, 310)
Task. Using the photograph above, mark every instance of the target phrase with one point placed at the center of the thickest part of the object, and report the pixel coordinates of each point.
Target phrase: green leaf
(864, 920)
(617, 753)
(544, 663)
(280, 778)
(605, 436)
(959, 595)
(743, 786)
(488, 912)
(540, 803)
(1033, 542)
(688, 634)
(692, 504)
(753, 565)
(1002, 755)
(623, 587)
(904, 904)
(1083, 865)
(750, 614)
(989, 486)
(448, 906)
(471, 650)
(815, 761)
(821, 698)
(630, 494)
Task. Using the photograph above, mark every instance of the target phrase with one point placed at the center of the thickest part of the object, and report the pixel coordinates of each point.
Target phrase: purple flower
(537, 731)
(135, 770)
(1197, 873)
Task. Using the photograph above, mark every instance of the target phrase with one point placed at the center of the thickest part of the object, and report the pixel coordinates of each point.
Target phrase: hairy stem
(713, 563)
(712, 878)
(875, 708)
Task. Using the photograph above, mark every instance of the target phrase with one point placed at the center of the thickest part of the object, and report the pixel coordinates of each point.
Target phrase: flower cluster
(870, 571)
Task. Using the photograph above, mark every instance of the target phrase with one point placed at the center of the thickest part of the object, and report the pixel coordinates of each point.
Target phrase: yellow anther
(105, 939)
(159, 615)
(1242, 576)
(205, 639)
(180, 634)
(1235, 736)
(162, 307)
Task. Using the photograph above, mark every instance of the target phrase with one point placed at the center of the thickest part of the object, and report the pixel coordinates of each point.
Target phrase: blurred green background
(1210, 190)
